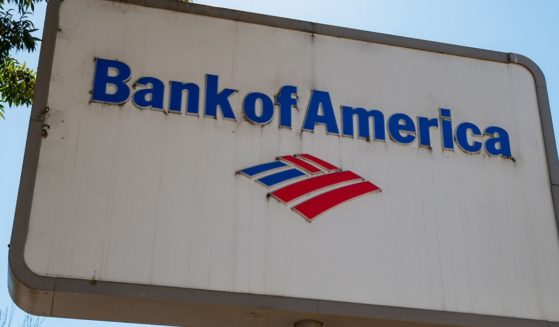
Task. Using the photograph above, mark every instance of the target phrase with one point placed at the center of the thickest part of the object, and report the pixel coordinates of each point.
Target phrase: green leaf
(17, 83)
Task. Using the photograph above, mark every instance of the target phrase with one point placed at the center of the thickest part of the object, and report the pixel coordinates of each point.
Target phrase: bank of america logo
(290, 178)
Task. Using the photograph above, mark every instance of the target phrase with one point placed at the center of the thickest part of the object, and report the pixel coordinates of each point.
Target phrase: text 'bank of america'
(111, 86)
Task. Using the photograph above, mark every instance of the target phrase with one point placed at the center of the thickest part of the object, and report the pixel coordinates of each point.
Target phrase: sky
(530, 28)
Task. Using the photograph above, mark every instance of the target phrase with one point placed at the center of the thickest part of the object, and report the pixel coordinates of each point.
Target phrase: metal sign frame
(90, 299)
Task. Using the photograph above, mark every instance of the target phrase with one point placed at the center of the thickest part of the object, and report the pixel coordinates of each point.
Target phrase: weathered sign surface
(209, 167)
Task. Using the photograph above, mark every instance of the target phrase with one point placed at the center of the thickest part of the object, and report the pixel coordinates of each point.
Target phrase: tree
(17, 81)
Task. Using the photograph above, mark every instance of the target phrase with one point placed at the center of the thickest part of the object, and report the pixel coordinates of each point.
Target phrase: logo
(290, 178)
(111, 85)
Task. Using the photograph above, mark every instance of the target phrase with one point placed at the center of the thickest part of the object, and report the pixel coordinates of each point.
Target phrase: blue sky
(530, 28)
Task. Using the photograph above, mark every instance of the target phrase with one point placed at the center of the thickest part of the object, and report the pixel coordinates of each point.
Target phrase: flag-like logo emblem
(291, 177)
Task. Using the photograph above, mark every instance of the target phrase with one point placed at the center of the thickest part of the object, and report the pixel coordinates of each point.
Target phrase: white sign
(204, 158)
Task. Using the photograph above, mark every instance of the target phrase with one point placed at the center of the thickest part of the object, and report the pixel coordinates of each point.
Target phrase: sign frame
(91, 299)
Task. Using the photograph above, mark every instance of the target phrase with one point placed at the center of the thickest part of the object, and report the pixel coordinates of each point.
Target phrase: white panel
(139, 196)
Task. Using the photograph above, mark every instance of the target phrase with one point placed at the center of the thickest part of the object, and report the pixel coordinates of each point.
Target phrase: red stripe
(311, 208)
(326, 165)
(301, 164)
(291, 192)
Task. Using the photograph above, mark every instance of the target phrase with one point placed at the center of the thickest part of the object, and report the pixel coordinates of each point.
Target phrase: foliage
(7, 318)
(32, 321)
(16, 34)
(17, 83)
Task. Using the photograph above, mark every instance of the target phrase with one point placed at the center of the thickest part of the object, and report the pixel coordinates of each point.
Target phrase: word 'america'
(111, 85)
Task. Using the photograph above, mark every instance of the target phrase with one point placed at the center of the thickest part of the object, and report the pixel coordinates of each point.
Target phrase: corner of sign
(530, 65)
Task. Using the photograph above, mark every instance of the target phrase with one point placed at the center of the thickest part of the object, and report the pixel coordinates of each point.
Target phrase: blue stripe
(251, 171)
(276, 178)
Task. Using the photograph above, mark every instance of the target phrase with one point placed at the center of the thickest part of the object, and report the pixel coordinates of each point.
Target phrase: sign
(190, 165)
